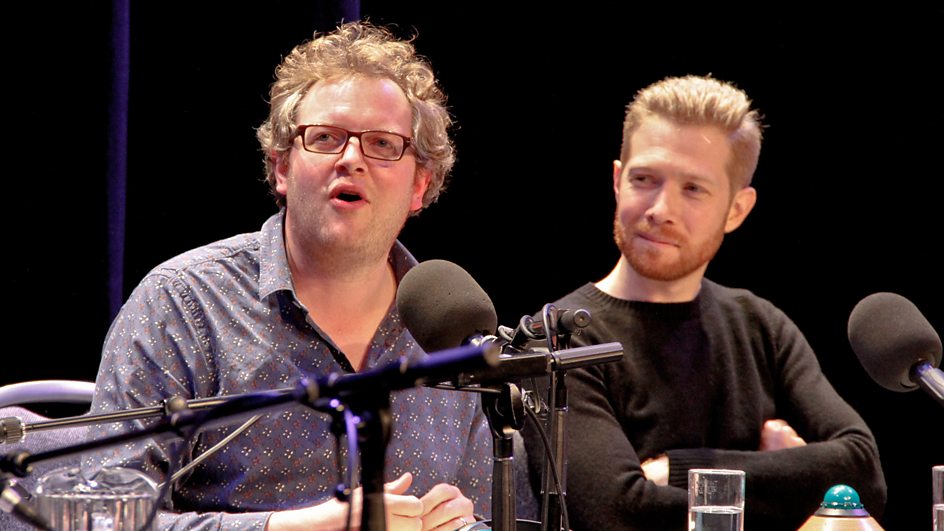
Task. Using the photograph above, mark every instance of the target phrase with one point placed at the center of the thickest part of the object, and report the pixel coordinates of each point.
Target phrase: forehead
(701, 151)
(357, 103)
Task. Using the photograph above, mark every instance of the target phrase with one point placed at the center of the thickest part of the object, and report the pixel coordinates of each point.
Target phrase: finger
(440, 493)
(452, 525)
(445, 504)
(403, 523)
(402, 505)
(399, 485)
(771, 436)
(791, 437)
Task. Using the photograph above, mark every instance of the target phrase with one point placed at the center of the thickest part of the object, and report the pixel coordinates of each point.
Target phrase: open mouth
(349, 197)
(348, 194)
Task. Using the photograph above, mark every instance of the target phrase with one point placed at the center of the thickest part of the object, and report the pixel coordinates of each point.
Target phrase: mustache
(665, 234)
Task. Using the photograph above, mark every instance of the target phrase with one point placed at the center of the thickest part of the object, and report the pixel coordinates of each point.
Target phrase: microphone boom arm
(930, 379)
(367, 392)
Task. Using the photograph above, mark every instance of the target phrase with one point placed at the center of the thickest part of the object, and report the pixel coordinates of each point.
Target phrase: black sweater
(697, 381)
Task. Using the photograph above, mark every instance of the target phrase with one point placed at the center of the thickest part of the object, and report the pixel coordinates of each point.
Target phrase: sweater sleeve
(784, 487)
(605, 482)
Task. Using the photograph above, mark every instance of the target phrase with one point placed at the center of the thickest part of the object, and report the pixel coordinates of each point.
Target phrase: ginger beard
(653, 263)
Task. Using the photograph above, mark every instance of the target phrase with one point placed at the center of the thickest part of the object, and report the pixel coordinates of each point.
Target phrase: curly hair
(360, 48)
(696, 100)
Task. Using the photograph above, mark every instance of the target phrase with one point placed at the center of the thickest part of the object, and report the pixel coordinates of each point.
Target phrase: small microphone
(569, 321)
(896, 344)
(562, 321)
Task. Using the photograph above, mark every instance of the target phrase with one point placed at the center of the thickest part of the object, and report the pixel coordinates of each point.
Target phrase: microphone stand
(367, 393)
(503, 405)
(178, 418)
(562, 360)
(551, 497)
(12, 430)
(373, 434)
(504, 410)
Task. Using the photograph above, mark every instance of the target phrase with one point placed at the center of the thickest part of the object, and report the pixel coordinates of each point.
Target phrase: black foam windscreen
(442, 305)
(890, 336)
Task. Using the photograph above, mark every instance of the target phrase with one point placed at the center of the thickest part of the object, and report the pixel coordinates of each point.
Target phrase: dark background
(849, 178)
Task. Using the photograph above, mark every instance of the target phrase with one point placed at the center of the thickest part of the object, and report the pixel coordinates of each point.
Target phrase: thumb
(399, 485)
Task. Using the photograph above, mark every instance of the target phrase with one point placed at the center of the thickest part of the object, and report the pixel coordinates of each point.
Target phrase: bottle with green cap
(841, 510)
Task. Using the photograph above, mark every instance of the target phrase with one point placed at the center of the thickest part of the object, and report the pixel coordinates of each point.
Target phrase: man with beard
(711, 377)
(355, 142)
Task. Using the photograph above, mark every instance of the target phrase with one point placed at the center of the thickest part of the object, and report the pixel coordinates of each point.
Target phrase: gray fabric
(224, 319)
(35, 442)
(527, 506)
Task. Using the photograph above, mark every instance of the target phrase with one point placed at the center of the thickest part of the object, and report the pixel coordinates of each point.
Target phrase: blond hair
(696, 100)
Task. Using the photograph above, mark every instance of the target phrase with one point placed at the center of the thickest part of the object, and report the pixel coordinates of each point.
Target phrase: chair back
(41, 391)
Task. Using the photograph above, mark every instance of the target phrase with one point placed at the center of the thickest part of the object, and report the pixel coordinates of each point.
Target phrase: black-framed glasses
(383, 145)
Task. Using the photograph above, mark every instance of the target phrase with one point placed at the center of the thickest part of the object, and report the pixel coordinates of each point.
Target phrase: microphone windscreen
(442, 305)
(890, 335)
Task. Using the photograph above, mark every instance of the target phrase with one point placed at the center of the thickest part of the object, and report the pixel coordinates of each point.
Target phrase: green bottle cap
(841, 500)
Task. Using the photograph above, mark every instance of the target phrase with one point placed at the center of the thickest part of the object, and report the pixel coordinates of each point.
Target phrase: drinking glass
(715, 499)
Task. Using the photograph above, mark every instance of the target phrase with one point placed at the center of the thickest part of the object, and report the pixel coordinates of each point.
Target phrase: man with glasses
(356, 141)
(712, 377)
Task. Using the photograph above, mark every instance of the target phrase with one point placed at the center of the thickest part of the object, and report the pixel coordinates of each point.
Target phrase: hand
(446, 508)
(777, 435)
(403, 512)
(656, 470)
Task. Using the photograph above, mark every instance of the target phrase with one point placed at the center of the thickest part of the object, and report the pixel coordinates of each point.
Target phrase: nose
(351, 156)
(664, 204)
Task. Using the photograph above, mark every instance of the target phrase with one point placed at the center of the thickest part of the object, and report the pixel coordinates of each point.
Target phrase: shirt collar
(274, 274)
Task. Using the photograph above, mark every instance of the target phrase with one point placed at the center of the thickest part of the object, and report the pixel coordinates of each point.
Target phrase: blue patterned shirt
(223, 319)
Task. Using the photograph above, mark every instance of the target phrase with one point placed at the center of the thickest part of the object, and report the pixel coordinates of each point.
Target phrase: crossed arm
(776, 434)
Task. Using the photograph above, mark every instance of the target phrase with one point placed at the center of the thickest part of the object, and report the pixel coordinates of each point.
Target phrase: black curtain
(169, 95)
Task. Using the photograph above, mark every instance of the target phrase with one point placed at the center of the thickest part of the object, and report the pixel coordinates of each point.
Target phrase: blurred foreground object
(841, 510)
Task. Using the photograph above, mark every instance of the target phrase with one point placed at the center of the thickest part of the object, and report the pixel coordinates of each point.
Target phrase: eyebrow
(685, 175)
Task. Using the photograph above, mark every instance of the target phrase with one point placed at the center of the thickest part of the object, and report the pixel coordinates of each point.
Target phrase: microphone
(896, 344)
(562, 321)
(443, 306)
(569, 321)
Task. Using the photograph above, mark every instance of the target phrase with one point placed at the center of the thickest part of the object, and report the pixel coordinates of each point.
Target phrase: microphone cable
(345, 491)
(212, 450)
(550, 333)
(565, 519)
(175, 457)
